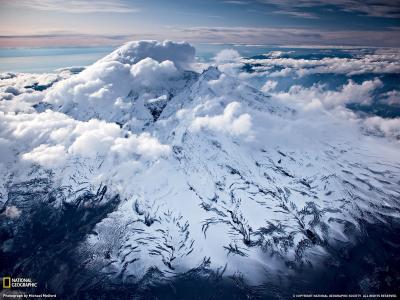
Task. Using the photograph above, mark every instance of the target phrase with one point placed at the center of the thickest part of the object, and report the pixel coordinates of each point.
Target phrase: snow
(206, 165)
(124, 78)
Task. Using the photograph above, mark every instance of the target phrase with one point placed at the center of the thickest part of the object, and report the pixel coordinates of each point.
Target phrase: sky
(47, 23)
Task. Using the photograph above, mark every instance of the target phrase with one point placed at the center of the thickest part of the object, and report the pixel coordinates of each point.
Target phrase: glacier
(142, 169)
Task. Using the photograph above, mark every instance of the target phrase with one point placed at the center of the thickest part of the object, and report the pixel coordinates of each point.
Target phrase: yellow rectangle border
(4, 282)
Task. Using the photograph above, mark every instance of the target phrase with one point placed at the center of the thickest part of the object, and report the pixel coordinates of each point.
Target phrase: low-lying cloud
(317, 97)
(230, 121)
(51, 139)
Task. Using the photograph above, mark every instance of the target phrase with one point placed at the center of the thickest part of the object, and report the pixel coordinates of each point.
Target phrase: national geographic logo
(6, 282)
(18, 282)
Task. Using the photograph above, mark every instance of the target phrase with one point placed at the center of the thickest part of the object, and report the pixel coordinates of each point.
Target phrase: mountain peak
(211, 73)
(205, 168)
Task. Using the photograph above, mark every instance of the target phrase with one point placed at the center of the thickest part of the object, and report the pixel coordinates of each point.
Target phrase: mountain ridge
(205, 167)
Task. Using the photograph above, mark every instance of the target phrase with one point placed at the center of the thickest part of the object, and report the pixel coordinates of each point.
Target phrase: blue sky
(273, 22)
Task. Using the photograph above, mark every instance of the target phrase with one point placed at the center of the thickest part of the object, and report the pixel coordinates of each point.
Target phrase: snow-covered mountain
(142, 169)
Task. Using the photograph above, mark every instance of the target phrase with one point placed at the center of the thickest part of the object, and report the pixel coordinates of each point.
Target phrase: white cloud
(47, 156)
(377, 63)
(269, 86)
(93, 138)
(226, 56)
(75, 6)
(228, 61)
(281, 73)
(387, 127)
(51, 139)
(150, 73)
(96, 88)
(20, 88)
(316, 97)
(230, 121)
(276, 54)
(182, 54)
(144, 145)
(391, 97)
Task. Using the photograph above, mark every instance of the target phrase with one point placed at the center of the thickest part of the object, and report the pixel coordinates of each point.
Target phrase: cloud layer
(382, 8)
(75, 6)
(316, 97)
(59, 139)
(379, 62)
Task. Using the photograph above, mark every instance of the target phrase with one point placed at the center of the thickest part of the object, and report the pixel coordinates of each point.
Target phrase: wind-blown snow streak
(206, 166)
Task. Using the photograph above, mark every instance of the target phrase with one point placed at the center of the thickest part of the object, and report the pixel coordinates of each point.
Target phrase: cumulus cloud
(51, 139)
(47, 156)
(230, 121)
(227, 55)
(149, 73)
(281, 73)
(104, 81)
(25, 89)
(228, 61)
(387, 127)
(144, 145)
(376, 63)
(316, 97)
(391, 97)
(182, 54)
(93, 138)
(283, 77)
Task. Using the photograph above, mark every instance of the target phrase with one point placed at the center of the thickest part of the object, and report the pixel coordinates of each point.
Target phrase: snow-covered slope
(206, 168)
